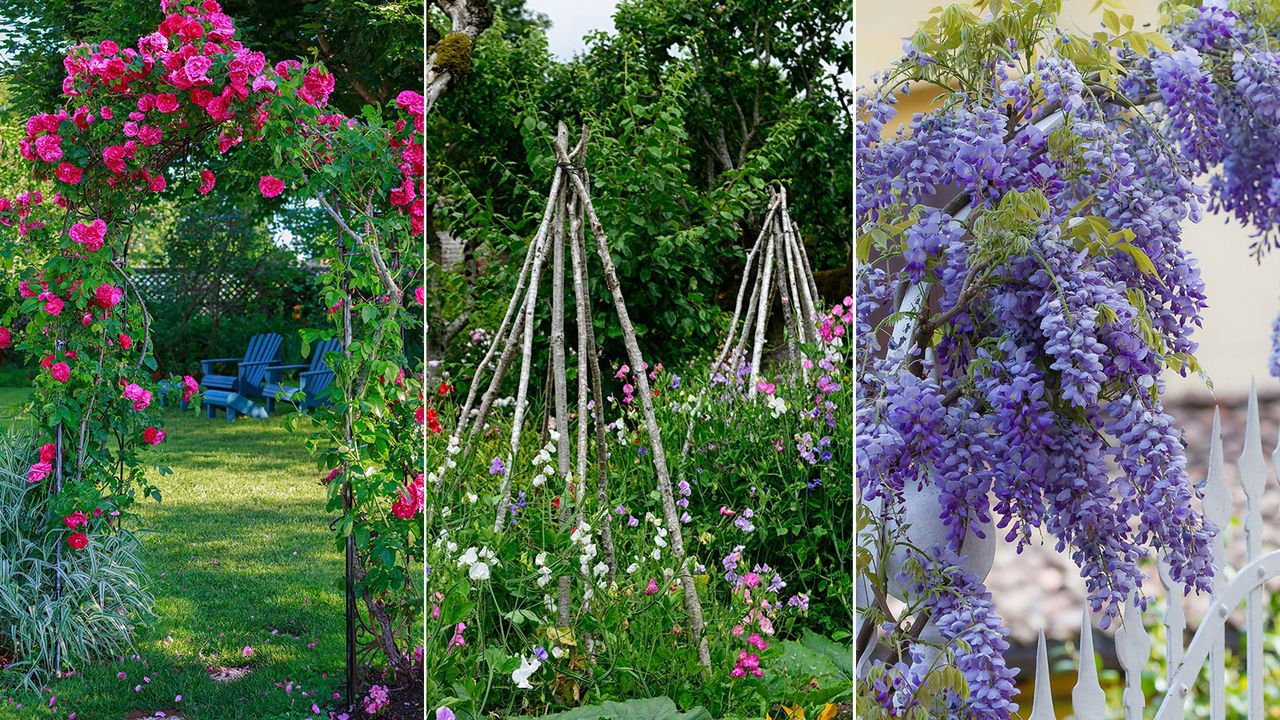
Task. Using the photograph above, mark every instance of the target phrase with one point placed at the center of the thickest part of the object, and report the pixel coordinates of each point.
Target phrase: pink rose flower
(49, 148)
(39, 471)
(108, 296)
(270, 186)
(196, 68)
(189, 388)
(69, 173)
(60, 372)
(141, 398)
(91, 235)
(167, 103)
(75, 520)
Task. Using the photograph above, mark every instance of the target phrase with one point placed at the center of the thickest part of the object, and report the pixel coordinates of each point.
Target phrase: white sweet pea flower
(776, 405)
(521, 674)
(479, 571)
(468, 557)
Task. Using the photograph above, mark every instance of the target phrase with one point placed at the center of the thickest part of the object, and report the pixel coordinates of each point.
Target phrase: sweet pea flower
(527, 668)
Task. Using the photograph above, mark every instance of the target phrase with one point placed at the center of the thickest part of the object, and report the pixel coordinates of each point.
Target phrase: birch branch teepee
(784, 264)
(568, 214)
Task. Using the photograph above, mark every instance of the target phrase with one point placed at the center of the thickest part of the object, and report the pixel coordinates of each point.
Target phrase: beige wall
(1243, 296)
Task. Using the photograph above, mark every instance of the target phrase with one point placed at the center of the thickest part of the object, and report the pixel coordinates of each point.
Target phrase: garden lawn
(241, 556)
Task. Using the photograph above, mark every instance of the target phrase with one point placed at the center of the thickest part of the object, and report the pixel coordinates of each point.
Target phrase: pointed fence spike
(1133, 648)
(1253, 477)
(1042, 705)
(1175, 624)
(1217, 510)
(1087, 698)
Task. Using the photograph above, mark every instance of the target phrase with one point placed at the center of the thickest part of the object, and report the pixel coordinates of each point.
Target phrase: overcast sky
(571, 19)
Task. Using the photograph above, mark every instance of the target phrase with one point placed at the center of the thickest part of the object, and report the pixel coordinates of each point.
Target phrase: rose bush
(138, 120)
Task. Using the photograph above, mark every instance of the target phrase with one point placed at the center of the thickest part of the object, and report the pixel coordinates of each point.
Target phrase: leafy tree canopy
(694, 111)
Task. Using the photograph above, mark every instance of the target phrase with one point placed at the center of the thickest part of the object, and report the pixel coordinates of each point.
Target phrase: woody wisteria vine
(1024, 237)
(138, 119)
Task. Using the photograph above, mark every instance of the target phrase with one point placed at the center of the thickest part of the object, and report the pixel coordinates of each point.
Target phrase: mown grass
(241, 555)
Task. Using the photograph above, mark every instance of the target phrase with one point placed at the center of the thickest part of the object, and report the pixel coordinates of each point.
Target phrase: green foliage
(748, 456)
(239, 554)
(692, 114)
(660, 708)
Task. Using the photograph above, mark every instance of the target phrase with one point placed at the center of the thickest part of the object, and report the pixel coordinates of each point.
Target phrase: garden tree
(372, 48)
(681, 211)
(221, 278)
(1025, 235)
(449, 53)
(191, 90)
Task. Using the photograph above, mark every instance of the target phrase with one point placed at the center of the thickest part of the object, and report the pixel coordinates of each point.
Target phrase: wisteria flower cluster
(1027, 234)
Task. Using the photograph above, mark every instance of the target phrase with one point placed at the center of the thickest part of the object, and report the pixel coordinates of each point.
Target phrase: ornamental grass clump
(103, 591)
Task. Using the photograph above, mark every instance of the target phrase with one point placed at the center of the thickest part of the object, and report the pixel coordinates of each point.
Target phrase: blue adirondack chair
(315, 377)
(227, 390)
